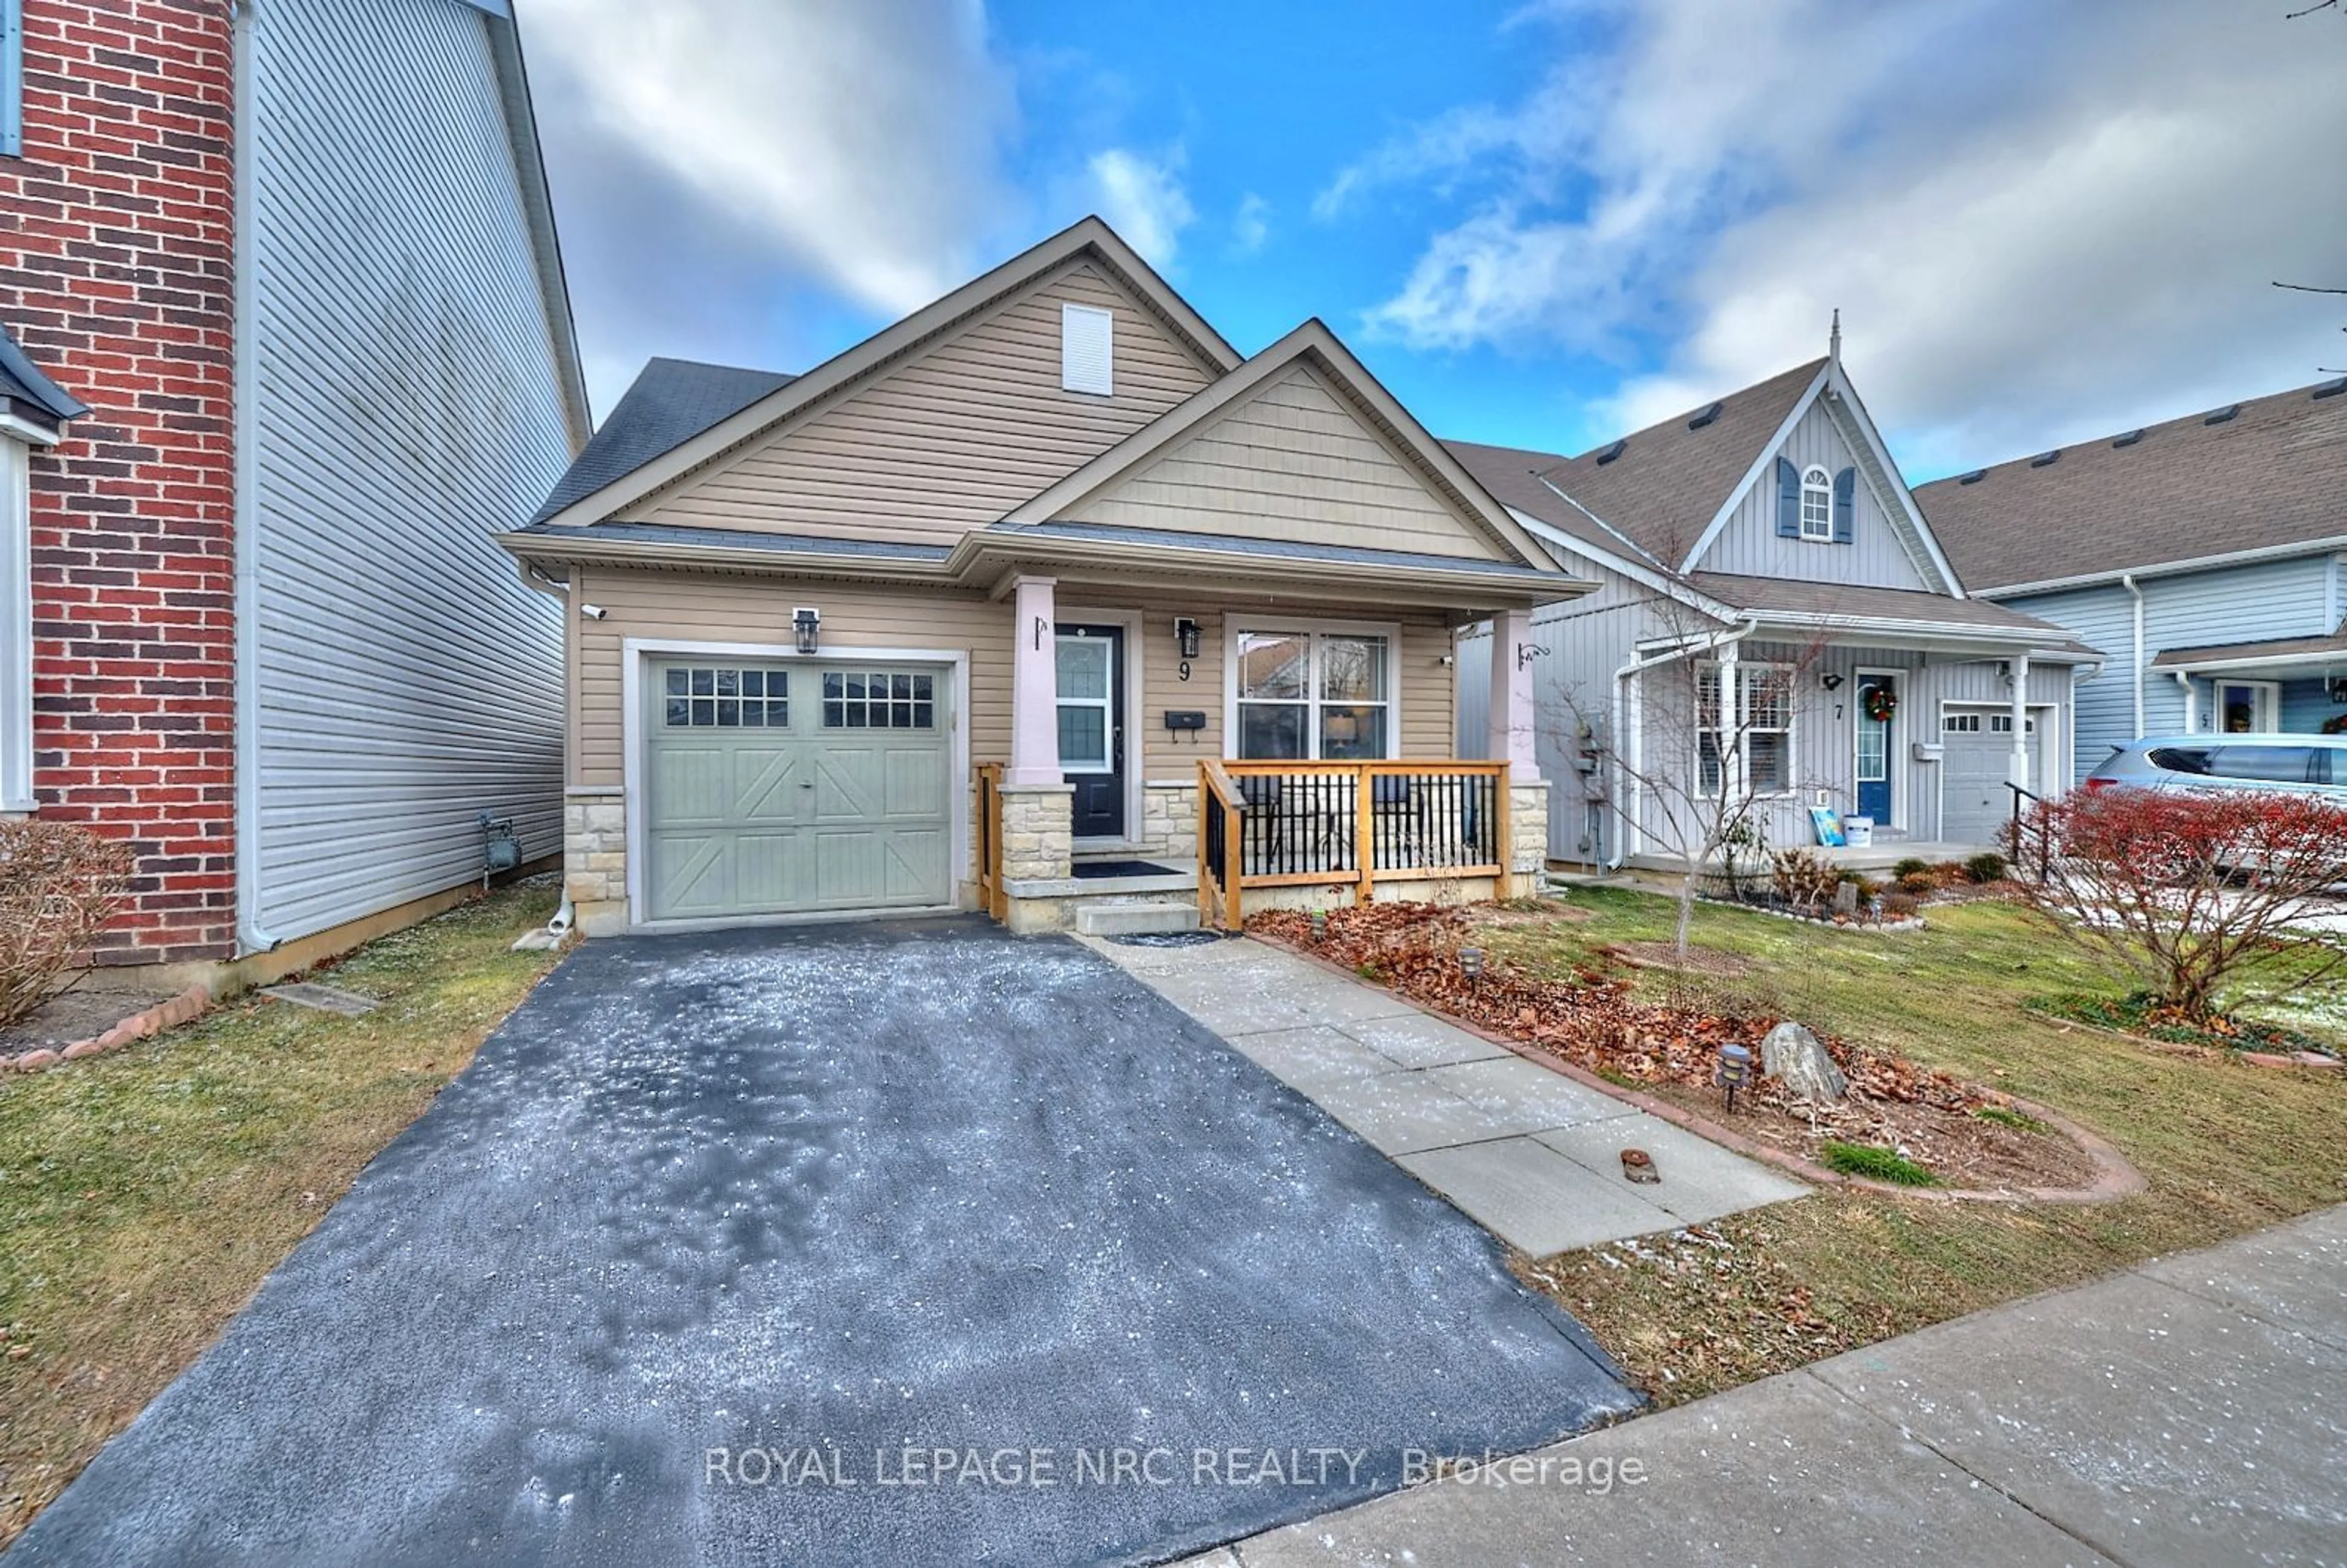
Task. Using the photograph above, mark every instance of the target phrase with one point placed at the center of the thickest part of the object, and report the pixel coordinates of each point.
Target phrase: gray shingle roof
(671, 401)
(1784, 596)
(2226, 652)
(23, 382)
(2273, 475)
(1666, 483)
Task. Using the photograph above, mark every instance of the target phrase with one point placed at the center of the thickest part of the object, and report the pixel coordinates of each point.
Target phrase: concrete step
(1134, 920)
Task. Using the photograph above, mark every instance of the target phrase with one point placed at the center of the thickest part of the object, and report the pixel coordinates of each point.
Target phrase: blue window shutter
(1789, 500)
(1845, 506)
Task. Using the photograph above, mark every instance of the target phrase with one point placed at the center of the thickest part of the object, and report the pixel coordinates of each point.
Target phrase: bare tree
(1700, 755)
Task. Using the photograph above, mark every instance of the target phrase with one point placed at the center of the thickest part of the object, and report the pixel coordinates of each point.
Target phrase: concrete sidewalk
(2191, 1411)
(1533, 1156)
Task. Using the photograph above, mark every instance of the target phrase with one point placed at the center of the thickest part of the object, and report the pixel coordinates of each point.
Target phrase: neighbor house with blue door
(2203, 555)
(1775, 619)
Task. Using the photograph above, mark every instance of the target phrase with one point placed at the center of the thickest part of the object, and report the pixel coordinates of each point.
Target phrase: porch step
(1134, 920)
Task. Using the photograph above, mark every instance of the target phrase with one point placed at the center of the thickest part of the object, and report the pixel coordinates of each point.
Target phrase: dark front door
(1092, 726)
(1879, 693)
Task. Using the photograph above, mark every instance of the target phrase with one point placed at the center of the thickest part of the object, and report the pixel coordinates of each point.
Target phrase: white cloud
(854, 149)
(1251, 225)
(2040, 222)
(1143, 199)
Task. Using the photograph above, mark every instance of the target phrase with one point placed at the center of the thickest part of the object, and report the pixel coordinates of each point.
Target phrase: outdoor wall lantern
(804, 623)
(1186, 635)
(1830, 680)
(1735, 1070)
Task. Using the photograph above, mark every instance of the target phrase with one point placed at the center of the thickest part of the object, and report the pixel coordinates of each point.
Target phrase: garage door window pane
(879, 700)
(724, 699)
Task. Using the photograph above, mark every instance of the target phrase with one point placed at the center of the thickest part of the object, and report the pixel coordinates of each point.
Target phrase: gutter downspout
(2127, 581)
(1637, 760)
(2191, 702)
(245, 639)
(558, 590)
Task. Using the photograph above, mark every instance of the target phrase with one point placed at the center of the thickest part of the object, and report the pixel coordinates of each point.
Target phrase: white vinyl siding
(406, 403)
(1087, 350)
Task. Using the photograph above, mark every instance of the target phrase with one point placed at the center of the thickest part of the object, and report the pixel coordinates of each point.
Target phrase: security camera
(593, 611)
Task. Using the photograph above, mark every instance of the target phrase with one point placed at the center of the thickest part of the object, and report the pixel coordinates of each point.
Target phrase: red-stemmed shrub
(2194, 892)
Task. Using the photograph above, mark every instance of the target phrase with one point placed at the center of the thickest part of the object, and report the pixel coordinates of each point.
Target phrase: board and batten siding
(1749, 545)
(960, 432)
(1295, 462)
(2298, 597)
(406, 402)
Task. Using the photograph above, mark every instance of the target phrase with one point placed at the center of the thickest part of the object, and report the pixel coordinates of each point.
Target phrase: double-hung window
(1817, 504)
(1761, 728)
(1308, 694)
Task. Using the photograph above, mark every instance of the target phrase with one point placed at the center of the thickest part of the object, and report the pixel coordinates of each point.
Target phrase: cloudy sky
(1540, 224)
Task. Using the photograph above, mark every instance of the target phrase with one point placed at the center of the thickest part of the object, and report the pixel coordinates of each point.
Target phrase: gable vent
(2128, 439)
(1087, 350)
(1708, 413)
(1613, 451)
(1975, 477)
(2218, 415)
(2331, 388)
(2046, 459)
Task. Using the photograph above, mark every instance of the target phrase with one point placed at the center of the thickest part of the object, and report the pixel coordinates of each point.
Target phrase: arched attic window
(1817, 504)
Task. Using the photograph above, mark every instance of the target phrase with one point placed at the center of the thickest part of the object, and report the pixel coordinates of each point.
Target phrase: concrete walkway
(2188, 1412)
(1530, 1154)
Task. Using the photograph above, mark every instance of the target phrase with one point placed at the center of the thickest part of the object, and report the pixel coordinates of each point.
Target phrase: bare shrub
(1804, 880)
(59, 885)
(2194, 892)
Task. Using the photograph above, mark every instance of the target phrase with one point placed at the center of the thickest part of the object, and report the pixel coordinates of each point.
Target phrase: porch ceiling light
(805, 624)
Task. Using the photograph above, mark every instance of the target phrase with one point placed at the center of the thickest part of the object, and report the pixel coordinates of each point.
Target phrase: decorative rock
(1845, 898)
(34, 1060)
(1797, 1060)
(2266, 1058)
(2316, 1059)
(82, 1048)
(1638, 1165)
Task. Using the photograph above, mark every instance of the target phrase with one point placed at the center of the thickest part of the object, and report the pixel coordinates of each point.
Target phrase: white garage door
(776, 789)
(1974, 803)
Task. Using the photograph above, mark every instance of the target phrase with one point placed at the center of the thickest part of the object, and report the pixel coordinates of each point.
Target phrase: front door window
(2245, 707)
(1091, 735)
(1877, 699)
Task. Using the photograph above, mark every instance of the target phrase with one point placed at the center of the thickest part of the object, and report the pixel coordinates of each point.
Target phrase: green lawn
(145, 1194)
(2225, 1147)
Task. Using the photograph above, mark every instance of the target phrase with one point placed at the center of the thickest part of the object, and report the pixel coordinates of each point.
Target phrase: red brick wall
(117, 257)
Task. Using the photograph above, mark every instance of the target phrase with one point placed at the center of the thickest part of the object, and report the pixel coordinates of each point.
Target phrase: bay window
(1313, 694)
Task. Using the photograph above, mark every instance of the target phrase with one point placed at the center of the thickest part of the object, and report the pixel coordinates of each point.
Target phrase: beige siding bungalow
(1041, 600)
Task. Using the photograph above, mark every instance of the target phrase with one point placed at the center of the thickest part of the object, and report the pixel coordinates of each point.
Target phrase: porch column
(1034, 686)
(1512, 723)
(2018, 769)
(1731, 726)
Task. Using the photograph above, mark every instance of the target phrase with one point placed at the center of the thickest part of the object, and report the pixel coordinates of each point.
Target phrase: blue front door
(1874, 747)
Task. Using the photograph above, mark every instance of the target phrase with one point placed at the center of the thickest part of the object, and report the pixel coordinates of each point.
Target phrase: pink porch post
(1513, 711)
(1034, 687)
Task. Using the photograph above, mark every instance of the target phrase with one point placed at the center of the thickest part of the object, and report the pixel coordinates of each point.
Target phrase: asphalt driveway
(871, 1244)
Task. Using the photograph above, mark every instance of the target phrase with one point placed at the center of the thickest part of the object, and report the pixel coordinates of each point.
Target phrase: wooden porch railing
(1221, 816)
(1297, 824)
(990, 896)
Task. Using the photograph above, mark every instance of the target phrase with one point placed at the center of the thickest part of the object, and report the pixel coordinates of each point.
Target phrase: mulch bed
(1593, 1021)
(88, 1008)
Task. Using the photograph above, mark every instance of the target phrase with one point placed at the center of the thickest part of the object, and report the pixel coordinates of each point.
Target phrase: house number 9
(1185, 670)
